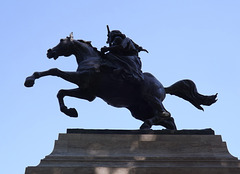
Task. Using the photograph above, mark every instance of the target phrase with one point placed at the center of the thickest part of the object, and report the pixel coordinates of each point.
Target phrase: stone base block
(138, 152)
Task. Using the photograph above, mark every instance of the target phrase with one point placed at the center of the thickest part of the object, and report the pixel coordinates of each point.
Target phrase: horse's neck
(83, 52)
(83, 58)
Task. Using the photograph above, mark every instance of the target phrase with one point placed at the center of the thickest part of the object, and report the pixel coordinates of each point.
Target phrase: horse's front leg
(68, 76)
(78, 93)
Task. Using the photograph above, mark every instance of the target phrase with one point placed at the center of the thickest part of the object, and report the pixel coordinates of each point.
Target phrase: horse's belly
(119, 102)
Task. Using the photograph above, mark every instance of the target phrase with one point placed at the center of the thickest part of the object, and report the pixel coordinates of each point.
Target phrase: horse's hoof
(29, 82)
(72, 112)
(145, 126)
(169, 124)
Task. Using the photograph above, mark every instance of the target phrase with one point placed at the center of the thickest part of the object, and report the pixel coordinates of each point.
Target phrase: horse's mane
(86, 42)
(89, 44)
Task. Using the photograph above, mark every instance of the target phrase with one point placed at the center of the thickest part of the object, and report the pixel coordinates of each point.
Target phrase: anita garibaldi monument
(114, 74)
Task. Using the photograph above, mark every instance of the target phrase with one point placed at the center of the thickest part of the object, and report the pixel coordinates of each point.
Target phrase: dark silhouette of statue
(115, 75)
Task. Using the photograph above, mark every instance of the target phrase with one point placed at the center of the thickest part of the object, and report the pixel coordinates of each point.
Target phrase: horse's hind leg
(161, 116)
(68, 76)
(167, 122)
(78, 93)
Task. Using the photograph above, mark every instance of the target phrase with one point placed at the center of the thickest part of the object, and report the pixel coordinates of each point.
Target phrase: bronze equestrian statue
(114, 75)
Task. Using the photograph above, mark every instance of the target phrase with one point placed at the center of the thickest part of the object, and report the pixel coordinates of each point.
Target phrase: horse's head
(68, 46)
(64, 48)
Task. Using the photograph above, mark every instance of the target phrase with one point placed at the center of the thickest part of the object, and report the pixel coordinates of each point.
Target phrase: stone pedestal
(138, 152)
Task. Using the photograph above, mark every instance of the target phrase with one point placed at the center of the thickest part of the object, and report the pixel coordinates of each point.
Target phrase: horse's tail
(187, 90)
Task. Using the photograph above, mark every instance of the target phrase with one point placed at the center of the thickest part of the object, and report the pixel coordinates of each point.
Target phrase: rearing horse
(143, 100)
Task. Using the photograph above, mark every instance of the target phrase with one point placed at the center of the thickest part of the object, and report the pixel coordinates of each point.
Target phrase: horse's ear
(71, 36)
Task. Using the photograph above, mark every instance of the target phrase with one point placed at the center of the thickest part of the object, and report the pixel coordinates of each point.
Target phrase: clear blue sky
(198, 40)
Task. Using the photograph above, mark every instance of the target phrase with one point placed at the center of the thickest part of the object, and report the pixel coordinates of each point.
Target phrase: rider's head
(113, 34)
